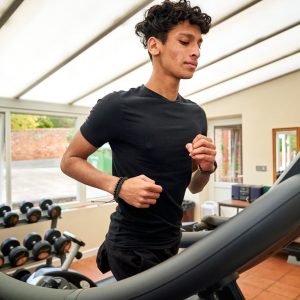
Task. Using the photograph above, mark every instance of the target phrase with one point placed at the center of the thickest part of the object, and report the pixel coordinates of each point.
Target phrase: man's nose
(196, 51)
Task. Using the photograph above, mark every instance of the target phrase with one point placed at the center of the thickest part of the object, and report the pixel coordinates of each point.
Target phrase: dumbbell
(61, 244)
(1, 260)
(17, 254)
(41, 249)
(33, 214)
(10, 218)
(53, 210)
(21, 274)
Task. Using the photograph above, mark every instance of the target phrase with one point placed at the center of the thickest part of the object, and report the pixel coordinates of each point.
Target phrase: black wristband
(118, 187)
(208, 172)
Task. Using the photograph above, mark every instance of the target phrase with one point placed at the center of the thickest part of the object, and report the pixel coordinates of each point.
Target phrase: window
(37, 145)
(102, 160)
(2, 157)
(286, 145)
(228, 140)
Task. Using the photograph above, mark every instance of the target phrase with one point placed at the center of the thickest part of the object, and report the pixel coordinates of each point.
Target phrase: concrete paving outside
(36, 179)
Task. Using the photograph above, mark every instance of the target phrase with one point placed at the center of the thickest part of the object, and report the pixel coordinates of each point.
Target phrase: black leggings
(128, 262)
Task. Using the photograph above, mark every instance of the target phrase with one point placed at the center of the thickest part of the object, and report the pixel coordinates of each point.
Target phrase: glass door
(286, 144)
(2, 151)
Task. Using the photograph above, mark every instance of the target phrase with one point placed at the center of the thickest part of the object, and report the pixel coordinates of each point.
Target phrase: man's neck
(166, 88)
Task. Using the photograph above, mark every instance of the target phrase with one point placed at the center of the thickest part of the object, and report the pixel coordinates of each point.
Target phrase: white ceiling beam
(20, 105)
(7, 9)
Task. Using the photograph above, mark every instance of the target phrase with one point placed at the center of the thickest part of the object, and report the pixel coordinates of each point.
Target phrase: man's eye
(184, 42)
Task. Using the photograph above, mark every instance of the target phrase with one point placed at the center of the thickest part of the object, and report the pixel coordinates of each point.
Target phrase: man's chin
(187, 76)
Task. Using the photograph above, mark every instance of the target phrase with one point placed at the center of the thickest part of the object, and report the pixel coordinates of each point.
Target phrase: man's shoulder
(192, 104)
(121, 95)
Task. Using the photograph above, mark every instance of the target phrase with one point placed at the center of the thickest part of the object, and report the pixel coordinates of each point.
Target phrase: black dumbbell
(53, 210)
(10, 218)
(1, 260)
(61, 244)
(17, 254)
(33, 214)
(21, 274)
(41, 249)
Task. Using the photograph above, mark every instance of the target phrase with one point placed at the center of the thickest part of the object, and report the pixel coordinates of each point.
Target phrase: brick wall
(45, 143)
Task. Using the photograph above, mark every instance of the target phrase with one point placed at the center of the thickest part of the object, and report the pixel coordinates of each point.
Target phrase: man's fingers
(145, 203)
(200, 137)
(189, 147)
(140, 191)
(152, 195)
(149, 201)
(204, 151)
(151, 186)
(155, 188)
(203, 143)
(145, 178)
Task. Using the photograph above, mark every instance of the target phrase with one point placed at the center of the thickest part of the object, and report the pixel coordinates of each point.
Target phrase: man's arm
(203, 153)
(139, 191)
(74, 164)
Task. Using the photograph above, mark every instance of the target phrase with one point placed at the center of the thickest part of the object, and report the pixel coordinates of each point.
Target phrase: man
(155, 135)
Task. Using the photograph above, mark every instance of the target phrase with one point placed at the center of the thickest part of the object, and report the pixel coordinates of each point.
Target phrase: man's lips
(191, 64)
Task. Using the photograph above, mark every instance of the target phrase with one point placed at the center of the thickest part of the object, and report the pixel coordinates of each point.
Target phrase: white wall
(273, 104)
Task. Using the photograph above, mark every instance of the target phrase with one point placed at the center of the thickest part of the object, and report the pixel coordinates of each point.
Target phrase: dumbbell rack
(28, 213)
(7, 268)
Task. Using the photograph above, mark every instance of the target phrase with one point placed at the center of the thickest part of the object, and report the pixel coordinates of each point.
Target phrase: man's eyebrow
(187, 34)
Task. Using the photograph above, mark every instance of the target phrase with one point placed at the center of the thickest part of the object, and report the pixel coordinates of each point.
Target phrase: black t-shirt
(147, 134)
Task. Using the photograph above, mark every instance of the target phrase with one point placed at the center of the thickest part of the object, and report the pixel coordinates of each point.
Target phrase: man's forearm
(82, 171)
(198, 181)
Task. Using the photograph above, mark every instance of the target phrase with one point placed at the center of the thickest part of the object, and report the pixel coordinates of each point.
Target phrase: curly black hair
(160, 19)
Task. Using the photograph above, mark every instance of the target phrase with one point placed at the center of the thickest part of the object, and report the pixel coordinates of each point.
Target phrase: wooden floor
(273, 279)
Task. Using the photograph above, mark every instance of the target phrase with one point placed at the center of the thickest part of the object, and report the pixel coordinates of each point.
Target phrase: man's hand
(203, 151)
(140, 191)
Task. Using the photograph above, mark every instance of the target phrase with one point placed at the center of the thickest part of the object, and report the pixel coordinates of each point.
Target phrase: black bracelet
(118, 187)
(208, 172)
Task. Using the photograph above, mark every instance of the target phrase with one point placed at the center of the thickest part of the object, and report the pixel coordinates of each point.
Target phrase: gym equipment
(62, 244)
(9, 218)
(53, 211)
(293, 250)
(265, 227)
(61, 278)
(209, 223)
(33, 214)
(17, 254)
(21, 274)
(1, 260)
(40, 249)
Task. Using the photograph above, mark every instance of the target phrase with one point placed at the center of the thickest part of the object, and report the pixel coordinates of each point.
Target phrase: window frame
(52, 110)
(231, 126)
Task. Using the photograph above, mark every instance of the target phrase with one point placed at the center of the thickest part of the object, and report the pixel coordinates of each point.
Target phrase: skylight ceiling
(42, 36)
(75, 52)
(114, 55)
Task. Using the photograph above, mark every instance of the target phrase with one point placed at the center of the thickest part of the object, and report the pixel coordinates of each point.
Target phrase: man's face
(179, 54)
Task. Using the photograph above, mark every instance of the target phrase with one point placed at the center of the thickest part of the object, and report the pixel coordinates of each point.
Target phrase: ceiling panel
(220, 9)
(4, 6)
(135, 78)
(41, 35)
(260, 75)
(258, 22)
(114, 54)
(253, 57)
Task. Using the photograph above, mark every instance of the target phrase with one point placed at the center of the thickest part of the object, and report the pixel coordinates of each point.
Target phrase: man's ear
(153, 46)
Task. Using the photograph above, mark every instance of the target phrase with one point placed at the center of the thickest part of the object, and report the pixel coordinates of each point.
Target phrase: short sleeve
(103, 122)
